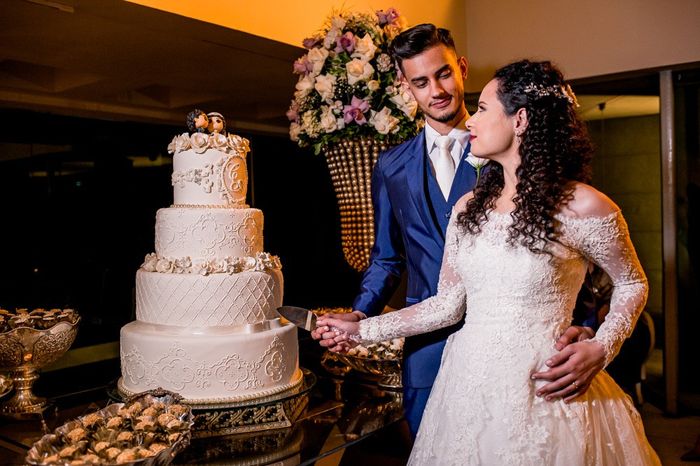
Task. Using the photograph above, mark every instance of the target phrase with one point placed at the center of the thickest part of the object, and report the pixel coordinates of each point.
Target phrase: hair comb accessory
(560, 92)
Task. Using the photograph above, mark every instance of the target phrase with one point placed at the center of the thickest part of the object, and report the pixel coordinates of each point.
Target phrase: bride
(516, 253)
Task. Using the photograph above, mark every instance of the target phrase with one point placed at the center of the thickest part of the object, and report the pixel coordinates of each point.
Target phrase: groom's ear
(520, 121)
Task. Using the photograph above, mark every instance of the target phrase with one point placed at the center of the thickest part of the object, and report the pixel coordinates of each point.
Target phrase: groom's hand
(573, 334)
(573, 368)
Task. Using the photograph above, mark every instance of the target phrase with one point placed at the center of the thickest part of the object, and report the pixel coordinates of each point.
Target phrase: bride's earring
(518, 135)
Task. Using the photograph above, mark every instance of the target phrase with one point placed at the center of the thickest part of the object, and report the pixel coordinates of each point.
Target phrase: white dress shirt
(461, 136)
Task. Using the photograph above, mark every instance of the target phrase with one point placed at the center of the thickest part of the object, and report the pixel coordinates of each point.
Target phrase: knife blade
(302, 318)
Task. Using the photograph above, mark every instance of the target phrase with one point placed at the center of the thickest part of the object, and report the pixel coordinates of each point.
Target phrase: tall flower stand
(350, 164)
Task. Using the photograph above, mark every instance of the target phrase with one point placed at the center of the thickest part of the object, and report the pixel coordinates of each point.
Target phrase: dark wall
(78, 221)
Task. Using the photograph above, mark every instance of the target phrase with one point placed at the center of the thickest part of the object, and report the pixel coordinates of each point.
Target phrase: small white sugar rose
(183, 142)
(200, 142)
(149, 263)
(218, 141)
(164, 265)
(172, 145)
(249, 263)
(358, 70)
(202, 268)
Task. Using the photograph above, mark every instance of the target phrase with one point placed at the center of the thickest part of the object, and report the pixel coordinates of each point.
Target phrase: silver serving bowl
(23, 351)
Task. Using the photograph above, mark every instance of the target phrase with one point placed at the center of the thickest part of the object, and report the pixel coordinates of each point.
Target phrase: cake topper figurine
(217, 123)
(197, 121)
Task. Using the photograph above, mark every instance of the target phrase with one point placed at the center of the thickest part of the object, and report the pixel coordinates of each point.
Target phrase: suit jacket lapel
(464, 180)
(415, 177)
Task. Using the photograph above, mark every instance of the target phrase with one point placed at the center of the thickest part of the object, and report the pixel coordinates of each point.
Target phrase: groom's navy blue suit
(411, 216)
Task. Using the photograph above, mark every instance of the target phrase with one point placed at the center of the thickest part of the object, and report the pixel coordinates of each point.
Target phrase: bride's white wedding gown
(483, 409)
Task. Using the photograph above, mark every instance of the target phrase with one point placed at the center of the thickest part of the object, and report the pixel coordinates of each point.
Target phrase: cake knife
(302, 318)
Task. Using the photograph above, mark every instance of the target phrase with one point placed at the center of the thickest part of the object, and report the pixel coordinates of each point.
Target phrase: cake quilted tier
(211, 178)
(210, 365)
(205, 234)
(218, 299)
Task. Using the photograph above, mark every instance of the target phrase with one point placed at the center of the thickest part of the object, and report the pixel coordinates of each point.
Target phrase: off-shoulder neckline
(567, 218)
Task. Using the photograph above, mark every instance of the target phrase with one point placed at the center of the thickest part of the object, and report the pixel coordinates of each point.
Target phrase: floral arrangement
(348, 84)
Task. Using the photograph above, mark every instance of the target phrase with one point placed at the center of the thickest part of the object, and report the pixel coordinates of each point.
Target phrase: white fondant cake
(206, 300)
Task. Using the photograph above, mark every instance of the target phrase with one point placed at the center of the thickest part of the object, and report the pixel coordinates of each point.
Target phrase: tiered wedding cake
(206, 300)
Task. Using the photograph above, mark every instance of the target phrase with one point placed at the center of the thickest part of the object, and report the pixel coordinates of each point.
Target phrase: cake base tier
(210, 366)
(201, 301)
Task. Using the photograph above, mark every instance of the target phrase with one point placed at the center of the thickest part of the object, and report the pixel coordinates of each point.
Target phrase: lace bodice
(494, 282)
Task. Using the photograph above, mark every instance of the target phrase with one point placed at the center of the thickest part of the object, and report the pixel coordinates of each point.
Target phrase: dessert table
(340, 413)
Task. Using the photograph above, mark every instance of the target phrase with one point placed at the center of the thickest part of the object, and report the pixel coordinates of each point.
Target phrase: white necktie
(444, 164)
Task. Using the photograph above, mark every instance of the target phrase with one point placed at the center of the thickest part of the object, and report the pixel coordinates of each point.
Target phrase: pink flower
(355, 111)
(303, 66)
(310, 42)
(345, 43)
(388, 17)
(293, 112)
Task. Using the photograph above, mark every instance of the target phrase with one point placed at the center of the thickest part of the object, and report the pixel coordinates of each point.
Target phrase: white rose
(383, 121)
(182, 143)
(202, 268)
(239, 144)
(364, 48)
(294, 131)
(317, 57)
(304, 86)
(373, 85)
(200, 142)
(406, 103)
(164, 265)
(358, 70)
(218, 141)
(329, 123)
(149, 263)
(172, 145)
(325, 86)
(249, 263)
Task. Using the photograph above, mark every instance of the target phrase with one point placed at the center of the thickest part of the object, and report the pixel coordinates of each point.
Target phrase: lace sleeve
(606, 241)
(445, 308)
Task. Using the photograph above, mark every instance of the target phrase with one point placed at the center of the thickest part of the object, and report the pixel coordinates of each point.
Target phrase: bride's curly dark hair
(555, 150)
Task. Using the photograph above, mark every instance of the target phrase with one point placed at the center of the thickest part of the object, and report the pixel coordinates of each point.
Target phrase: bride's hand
(347, 333)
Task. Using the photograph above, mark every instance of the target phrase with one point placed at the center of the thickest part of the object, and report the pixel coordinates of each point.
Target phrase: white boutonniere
(476, 162)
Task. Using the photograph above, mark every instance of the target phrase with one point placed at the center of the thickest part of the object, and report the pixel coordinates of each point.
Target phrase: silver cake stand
(278, 411)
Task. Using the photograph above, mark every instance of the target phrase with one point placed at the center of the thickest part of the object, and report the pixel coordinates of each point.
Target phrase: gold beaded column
(350, 164)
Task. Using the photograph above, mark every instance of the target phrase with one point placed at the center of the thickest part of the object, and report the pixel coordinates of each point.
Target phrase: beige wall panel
(586, 38)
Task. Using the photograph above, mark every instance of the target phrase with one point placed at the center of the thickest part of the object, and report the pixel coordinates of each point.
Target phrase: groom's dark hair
(418, 39)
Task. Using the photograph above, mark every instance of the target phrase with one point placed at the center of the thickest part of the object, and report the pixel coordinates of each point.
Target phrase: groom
(414, 187)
